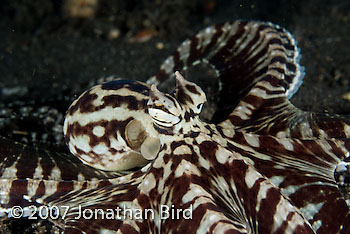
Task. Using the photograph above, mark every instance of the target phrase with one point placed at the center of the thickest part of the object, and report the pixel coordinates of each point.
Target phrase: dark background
(45, 47)
(50, 50)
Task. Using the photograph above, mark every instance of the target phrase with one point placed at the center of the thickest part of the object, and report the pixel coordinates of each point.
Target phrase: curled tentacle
(257, 65)
(241, 53)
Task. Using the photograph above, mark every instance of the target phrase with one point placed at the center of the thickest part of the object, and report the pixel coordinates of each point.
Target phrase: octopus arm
(29, 175)
(304, 170)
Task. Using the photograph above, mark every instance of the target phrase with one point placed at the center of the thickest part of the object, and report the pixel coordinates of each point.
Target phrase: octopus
(143, 161)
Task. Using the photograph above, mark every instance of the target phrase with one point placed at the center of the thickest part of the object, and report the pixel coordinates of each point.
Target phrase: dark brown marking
(84, 104)
(192, 89)
(117, 100)
(183, 97)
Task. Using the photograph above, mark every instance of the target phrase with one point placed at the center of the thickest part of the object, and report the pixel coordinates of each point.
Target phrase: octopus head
(186, 103)
(108, 126)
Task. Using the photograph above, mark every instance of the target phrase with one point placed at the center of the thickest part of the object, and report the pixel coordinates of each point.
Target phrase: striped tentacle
(247, 194)
(30, 175)
(304, 171)
(258, 62)
(177, 189)
(241, 52)
(198, 159)
(266, 110)
(221, 191)
(264, 107)
(105, 204)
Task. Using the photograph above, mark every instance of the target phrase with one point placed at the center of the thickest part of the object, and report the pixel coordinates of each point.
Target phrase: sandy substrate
(54, 52)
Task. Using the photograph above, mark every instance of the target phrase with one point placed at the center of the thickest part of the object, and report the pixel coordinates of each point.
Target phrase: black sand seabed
(53, 51)
(52, 54)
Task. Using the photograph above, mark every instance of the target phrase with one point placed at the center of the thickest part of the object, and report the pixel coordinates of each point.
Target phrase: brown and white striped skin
(108, 124)
(268, 167)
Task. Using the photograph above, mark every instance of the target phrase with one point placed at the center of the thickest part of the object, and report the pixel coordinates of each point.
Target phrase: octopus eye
(164, 109)
(199, 107)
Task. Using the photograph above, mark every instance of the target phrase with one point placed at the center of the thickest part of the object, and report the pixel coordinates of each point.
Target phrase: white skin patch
(286, 143)
(162, 118)
(311, 209)
(316, 225)
(208, 220)
(38, 173)
(5, 187)
(55, 174)
(291, 189)
(183, 149)
(106, 231)
(158, 162)
(77, 185)
(72, 148)
(81, 177)
(276, 180)
(50, 187)
(168, 65)
(98, 131)
(213, 217)
(341, 167)
(32, 187)
(228, 133)
(118, 144)
(281, 134)
(184, 50)
(81, 142)
(222, 155)
(244, 110)
(204, 163)
(205, 37)
(100, 148)
(149, 182)
(107, 113)
(187, 168)
(194, 191)
(9, 172)
(250, 177)
(252, 139)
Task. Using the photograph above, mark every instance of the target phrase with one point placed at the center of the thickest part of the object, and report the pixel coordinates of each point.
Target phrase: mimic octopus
(265, 167)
